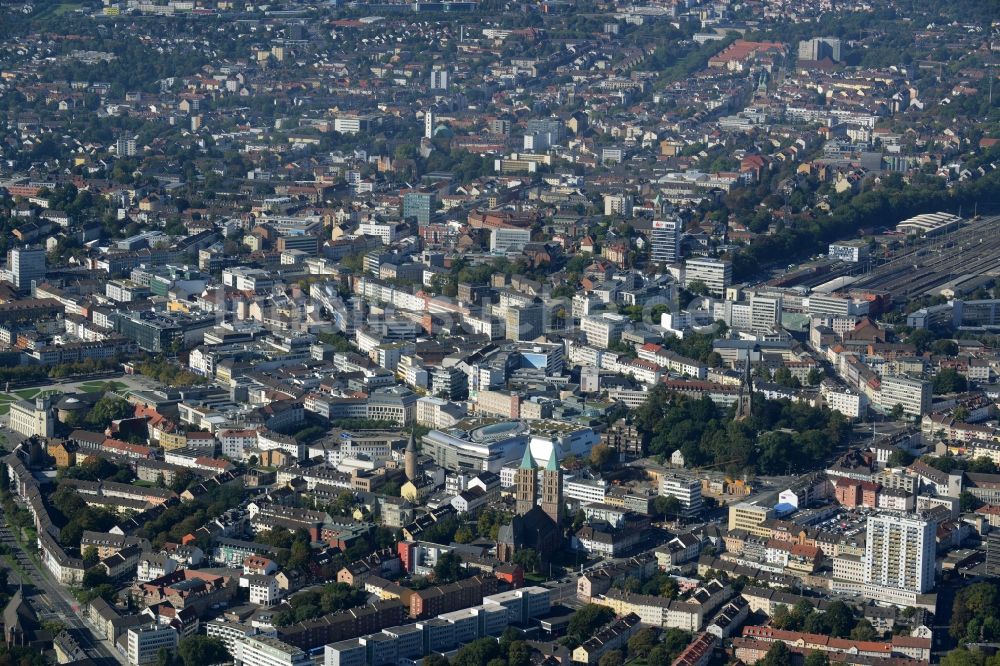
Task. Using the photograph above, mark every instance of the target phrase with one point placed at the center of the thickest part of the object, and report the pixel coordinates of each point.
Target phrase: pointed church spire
(528, 461)
(553, 464)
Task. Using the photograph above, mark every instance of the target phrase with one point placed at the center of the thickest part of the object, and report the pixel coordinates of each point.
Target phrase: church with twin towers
(537, 523)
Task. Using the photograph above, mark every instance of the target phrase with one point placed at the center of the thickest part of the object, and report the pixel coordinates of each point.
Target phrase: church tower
(526, 481)
(552, 489)
(410, 459)
(744, 400)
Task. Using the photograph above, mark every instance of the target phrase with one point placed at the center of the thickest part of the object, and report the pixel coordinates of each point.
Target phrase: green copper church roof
(553, 464)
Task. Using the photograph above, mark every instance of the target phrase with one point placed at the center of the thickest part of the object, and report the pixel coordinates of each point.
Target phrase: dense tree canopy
(780, 437)
(587, 620)
(949, 381)
(448, 568)
(975, 614)
(838, 620)
(198, 650)
(316, 602)
(109, 408)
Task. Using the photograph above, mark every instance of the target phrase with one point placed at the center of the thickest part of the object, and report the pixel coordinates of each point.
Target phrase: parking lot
(846, 523)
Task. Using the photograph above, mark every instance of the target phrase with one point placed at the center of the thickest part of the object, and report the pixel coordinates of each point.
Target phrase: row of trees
(659, 585)
(966, 657)
(487, 526)
(30, 373)
(168, 373)
(781, 655)
(949, 381)
(295, 546)
(949, 463)
(648, 644)
(508, 651)
(98, 469)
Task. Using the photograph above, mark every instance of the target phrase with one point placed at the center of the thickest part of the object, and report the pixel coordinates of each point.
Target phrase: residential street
(52, 601)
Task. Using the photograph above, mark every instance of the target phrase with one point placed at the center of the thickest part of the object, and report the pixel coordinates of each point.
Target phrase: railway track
(971, 250)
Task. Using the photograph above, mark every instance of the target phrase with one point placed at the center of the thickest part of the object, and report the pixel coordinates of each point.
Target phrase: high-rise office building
(685, 489)
(536, 142)
(666, 241)
(899, 552)
(419, 205)
(765, 312)
(819, 48)
(500, 126)
(25, 265)
(549, 128)
(525, 322)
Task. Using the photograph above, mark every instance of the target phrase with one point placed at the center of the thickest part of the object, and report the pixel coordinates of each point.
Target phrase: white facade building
(26, 265)
(144, 643)
(618, 204)
(263, 590)
(265, 651)
(851, 404)
(914, 395)
(849, 251)
(33, 418)
(509, 239)
(604, 329)
(765, 312)
(439, 79)
(687, 490)
(715, 274)
(899, 552)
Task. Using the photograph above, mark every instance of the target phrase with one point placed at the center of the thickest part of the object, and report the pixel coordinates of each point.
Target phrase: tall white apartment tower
(439, 79)
(126, 147)
(899, 552)
(429, 124)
